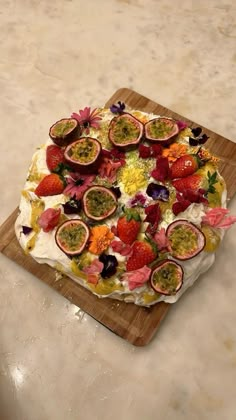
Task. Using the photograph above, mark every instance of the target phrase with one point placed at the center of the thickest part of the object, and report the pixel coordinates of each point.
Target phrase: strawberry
(50, 185)
(196, 181)
(143, 253)
(185, 165)
(128, 226)
(54, 157)
(191, 182)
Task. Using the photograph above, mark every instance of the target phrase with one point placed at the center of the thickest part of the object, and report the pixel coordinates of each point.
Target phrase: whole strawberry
(54, 157)
(143, 253)
(185, 165)
(128, 226)
(50, 185)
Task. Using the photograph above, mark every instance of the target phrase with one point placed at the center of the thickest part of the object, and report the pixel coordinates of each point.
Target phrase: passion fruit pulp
(125, 131)
(167, 277)
(64, 131)
(161, 130)
(72, 236)
(83, 154)
(99, 202)
(186, 240)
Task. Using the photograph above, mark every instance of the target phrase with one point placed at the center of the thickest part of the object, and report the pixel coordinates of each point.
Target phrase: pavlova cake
(128, 204)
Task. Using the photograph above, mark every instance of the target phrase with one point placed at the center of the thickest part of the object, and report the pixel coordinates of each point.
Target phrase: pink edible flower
(108, 169)
(216, 217)
(96, 266)
(49, 219)
(87, 118)
(138, 277)
(161, 239)
(77, 184)
(182, 125)
(138, 200)
(93, 271)
(121, 248)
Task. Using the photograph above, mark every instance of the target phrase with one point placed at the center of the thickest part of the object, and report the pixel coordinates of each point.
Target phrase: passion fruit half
(167, 278)
(83, 154)
(64, 131)
(99, 202)
(161, 130)
(72, 236)
(125, 131)
(186, 240)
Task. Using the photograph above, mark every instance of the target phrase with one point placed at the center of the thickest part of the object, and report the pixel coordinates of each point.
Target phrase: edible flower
(174, 151)
(217, 218)
(181, 124)
(93, 271)
(138, 200)
(110, 265)
(198, 137)
(118, 109)
(153, 217)
(205, 155)
(133, 179)
(77, 184)
(121, 248)
(161, 239)
(138, 277)
(72, 206)
(26, 230)
(147, 152)
(158, 192)
(188, 197)
(108, 169)
(113, 154)
(162, 170)
(87, 118)
(49, 219)
(100, 239)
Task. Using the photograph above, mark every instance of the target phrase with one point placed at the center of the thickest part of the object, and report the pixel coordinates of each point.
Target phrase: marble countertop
(57, 57)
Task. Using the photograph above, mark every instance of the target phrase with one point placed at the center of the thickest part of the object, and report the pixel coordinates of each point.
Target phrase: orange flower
(100, 239)
(174, 151)
(204, 154)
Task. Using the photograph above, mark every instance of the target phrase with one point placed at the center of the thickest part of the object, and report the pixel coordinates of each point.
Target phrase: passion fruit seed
(125, 130)
(167, 278)
(185, 239)
(72, 236)
(99, 202)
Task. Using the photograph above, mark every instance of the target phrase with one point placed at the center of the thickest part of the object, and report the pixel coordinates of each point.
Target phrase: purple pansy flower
(118, 109)
(158, 192)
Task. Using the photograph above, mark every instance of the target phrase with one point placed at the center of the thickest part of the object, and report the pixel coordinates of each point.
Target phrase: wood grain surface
(135, 324)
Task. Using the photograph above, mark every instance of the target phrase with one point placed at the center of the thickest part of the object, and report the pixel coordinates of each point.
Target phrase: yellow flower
(175, 151)
(100, 239)
(133, 180)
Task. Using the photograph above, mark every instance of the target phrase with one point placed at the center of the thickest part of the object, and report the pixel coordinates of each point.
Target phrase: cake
(130, 205)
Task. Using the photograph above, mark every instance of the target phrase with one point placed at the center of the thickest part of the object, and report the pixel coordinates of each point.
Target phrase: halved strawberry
(50, 185)
(54, 157)
(143, 253)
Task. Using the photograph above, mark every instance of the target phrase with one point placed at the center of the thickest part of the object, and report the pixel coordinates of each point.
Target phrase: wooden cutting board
(135, 324)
